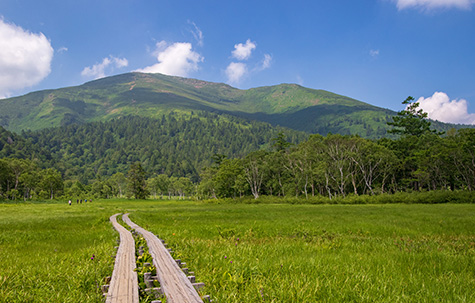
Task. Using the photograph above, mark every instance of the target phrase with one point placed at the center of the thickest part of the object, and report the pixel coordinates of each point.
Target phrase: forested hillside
(421, 159)
(212, 156)
(175, 145)
(152, 95)
(178, 132)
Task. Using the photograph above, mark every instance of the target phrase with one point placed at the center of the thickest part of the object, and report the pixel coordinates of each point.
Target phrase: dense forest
(338, 165)
(175, 145)
(212, 156)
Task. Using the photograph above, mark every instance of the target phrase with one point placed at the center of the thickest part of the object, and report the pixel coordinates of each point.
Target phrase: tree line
(420, 159)
(174, 144)
(22, 179)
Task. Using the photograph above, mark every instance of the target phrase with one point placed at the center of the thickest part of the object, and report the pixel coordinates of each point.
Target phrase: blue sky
(376, 51)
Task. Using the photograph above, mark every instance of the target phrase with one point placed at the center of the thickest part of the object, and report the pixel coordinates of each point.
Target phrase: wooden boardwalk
(173, 281)
(123, 286)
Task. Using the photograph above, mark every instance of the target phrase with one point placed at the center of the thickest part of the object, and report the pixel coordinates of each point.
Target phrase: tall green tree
(410, 121)
(29, 180)
(7, 178)
(136, 178)
(207, 186)
(279, 142)
(51, 182)
(118, 184)
(255, 169)
(227, 177)
(463, 155)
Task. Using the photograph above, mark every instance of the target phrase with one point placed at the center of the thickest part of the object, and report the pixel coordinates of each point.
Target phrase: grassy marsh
(249, 253)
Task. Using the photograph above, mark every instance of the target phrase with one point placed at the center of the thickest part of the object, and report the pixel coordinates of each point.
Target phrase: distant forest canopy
(175, 144)
(213, 156)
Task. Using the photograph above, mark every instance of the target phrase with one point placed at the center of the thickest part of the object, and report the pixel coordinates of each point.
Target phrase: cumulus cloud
(177, 59)
(25, 58)
(243, 51)
(99, 70)
(440, 107)
(433, 4)
(235, 71)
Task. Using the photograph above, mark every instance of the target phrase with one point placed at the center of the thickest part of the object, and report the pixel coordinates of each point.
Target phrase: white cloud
(235, 71)
(243, 51)
(374, 53)
(62, 50)
(25, 58)
(266, 63)
(177, 59)
(440, 107)
(99, 70)
(433, 4)
(197, 34)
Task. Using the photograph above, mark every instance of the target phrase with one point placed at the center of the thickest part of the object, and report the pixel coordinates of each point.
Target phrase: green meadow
(249, 252)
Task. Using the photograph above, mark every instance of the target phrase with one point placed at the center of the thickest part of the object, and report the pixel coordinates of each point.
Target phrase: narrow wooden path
(173, 281)
(123, 286)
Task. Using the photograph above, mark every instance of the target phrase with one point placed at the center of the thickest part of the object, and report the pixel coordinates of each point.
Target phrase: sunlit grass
(249, 253)
(46, 251)
(329, 253)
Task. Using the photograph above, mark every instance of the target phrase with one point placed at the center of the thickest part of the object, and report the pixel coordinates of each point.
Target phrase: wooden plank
(124, 284)
(173, 281)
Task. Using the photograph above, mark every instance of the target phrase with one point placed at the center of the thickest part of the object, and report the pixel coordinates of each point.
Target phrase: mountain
(152, 95)
(172, 125)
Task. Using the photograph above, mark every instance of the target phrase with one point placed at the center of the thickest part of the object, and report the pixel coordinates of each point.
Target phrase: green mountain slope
(153, 95)
(175, 145)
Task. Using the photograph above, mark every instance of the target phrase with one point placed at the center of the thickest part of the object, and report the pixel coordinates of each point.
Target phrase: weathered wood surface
(173, 281)
(123, 287)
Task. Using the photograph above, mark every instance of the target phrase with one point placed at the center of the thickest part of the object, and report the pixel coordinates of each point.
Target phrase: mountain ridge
(153, 95)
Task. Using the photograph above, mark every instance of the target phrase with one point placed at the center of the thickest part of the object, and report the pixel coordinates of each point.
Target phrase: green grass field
(249, 253)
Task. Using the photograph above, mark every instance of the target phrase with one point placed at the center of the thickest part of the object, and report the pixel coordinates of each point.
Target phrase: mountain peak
(152, 95)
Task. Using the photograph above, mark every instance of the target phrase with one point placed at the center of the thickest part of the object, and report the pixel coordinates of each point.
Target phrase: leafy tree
(254, 171)
(118, 184)
(158, 185)
(6, 177)
(163, 183)
(29, 180)
(136, 181)
(463, 156)
(184, 187)
(411, 121)
(218, 159)
(207, 186)
(18, 166)
(374, 163)
(226, 178)
(51, 182)
(280, 144)
(76, 189)
(310, 165)
(340, 169)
